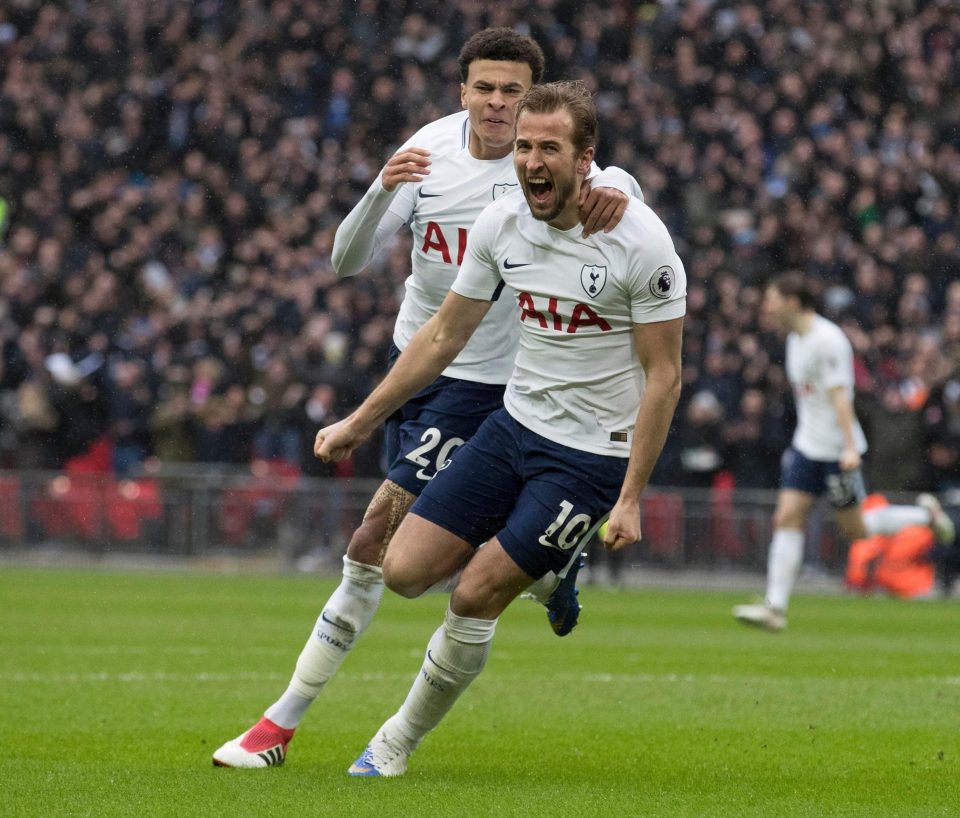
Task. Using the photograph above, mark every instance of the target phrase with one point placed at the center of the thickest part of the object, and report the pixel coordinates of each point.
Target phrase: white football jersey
(440, 211)
(817, 361)
(577, 379)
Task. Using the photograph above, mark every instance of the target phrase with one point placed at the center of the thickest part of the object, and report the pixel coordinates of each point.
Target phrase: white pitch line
(591, 678)
(135, 676)
(672, 678)
(140, 676)
(653, 678)
(135, 650)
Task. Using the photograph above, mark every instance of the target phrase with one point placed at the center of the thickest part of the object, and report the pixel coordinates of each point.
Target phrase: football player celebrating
(438, 182)
(586, 409)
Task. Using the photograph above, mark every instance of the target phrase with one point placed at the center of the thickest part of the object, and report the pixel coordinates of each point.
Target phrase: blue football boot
(563, 607)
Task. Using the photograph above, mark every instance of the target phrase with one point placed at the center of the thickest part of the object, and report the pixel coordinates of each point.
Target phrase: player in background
(438, 182)
(886, 518)
(907, 546)
(586, 409)
(825, 454)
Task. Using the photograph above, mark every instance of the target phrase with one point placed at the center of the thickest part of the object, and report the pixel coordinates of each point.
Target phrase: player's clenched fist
(408, 165)
(623, 527)
(337, 442)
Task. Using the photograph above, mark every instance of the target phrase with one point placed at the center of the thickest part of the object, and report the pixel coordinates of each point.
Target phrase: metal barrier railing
(272, 511)
(189, 512)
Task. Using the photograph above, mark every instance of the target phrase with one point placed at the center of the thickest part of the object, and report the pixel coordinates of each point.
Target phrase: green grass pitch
(116, 687)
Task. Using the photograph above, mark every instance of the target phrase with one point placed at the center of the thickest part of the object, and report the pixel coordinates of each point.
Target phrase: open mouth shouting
(540, 189)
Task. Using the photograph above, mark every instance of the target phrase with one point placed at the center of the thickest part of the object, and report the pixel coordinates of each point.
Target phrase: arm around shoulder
(618, 179)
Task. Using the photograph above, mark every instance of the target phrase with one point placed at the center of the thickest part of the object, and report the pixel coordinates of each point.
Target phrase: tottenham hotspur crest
(661, 284)
(593, 277)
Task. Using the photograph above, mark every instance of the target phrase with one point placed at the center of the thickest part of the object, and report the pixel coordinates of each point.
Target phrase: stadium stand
(171, 175)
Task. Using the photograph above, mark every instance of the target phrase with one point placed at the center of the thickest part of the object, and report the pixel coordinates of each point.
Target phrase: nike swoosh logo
(423, 195)
(508, 266)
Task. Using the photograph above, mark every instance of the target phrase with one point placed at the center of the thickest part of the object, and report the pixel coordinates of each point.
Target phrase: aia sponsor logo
(436, 242)
(549, 317)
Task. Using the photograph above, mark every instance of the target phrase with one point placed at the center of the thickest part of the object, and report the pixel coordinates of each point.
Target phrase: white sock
(346, 615)
(541, 589)
(890, 519)
(786, 556)
(456, 654)
(446, 585)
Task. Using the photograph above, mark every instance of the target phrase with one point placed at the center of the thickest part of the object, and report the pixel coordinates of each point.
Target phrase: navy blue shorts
(798, 472)
(538, 497)
(423, 433)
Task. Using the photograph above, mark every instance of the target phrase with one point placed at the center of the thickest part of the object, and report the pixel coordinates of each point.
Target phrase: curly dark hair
(501, 44)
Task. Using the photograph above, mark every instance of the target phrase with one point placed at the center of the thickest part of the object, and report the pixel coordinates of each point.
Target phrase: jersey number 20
(430, 440)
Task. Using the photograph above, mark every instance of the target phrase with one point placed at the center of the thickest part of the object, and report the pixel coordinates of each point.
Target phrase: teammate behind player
(586, 410)
(438, 182)
(827, 446)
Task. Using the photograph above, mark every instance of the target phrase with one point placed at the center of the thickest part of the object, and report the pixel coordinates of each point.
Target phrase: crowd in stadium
(171, 178)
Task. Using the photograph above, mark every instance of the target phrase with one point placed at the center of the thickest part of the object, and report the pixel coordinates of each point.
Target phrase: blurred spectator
(754, 439)
(130, 407)
(942, 419)
(172, 421)
(701, 441)
(897, 458)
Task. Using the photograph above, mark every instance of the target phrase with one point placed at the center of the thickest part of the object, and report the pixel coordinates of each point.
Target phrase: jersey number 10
(563, 533)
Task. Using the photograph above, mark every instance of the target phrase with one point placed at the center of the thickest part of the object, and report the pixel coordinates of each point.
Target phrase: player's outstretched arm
(429, 352)
(378, 215)
(658, 348)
